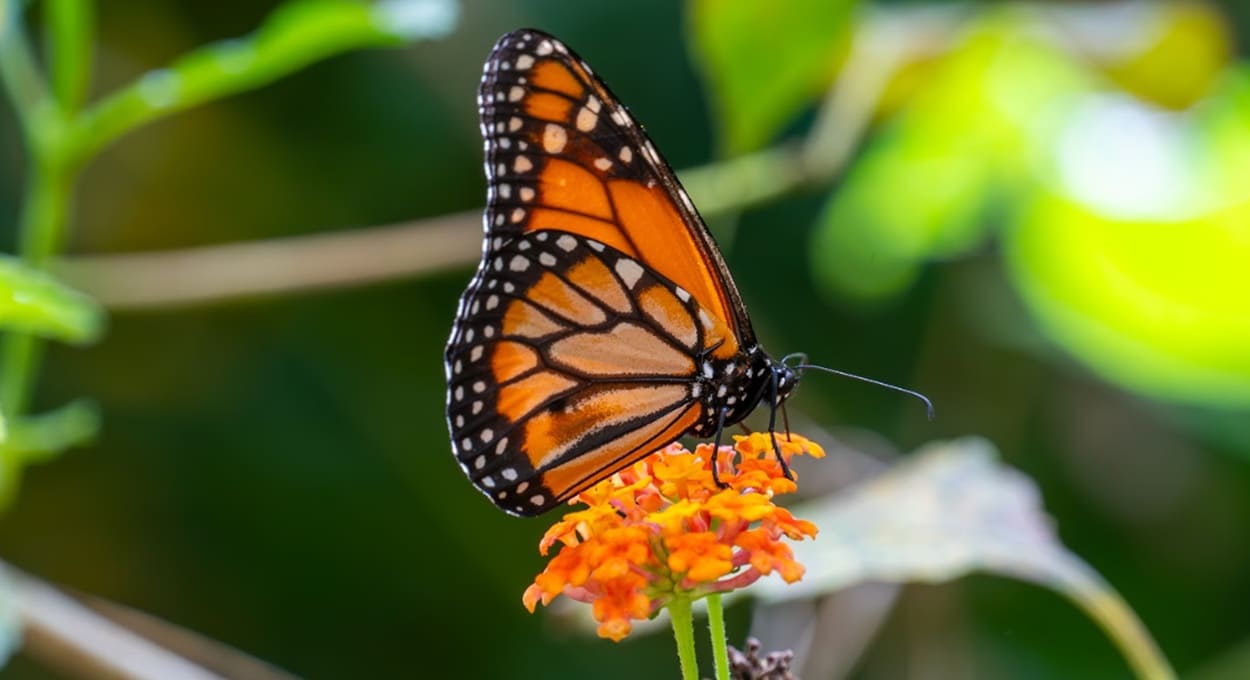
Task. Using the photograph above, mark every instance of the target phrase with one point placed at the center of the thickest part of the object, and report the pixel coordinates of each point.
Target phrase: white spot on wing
(554, 138)
(629, 271)
(566, 243)
(586, 119)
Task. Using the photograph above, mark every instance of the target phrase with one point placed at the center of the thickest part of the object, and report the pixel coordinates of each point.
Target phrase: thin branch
(18, 69)
(241, 270)
(99, 639)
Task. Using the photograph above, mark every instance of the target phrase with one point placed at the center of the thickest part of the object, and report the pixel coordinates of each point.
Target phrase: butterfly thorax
(737, 385)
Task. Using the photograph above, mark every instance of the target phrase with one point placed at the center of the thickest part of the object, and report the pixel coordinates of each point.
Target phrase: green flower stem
(1117, 619)
(679, 610)
(716, 628)
(41, 229)
(68, 26)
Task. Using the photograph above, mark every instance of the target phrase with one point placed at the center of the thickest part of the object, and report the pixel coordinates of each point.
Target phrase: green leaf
(1135, 259)
(34, 302)
(971, 137)
(765, 61)
(948, 510)
(36, 439)
(295, 35)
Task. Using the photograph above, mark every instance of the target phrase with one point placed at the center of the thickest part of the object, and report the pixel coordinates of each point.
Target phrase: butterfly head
(787, 374)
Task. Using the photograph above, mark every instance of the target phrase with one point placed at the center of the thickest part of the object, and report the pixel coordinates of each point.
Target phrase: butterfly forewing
(601, 324)
(562, 152)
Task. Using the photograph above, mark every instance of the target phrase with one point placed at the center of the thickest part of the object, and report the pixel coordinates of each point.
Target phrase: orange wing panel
(592, 276)
(519, 398)
(626, 349)
(575, 475)
(603, 232)
(667, 244)
(525, 320)
(547, 106)
(551, 434)
(551, 75)
(569, 186)
(511, 359)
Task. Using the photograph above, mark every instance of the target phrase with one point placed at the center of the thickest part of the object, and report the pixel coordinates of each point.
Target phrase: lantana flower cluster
(663, 528)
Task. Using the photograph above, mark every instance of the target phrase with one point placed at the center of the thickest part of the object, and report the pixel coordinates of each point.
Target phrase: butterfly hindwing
(570, 360)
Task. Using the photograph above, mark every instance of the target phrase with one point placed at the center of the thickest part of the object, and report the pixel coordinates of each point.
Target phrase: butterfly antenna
(928, 404)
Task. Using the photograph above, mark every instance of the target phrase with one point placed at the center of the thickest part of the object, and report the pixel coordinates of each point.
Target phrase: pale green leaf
(951, 509)
(38, 438)
(34, 302)
(972, 136)
(765, 61)
(1135, 259)
(294, 36)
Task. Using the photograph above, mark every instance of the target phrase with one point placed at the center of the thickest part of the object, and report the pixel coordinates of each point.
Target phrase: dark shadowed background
(274, 473)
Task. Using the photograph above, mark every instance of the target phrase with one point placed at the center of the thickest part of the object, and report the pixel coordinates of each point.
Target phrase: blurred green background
(1049, 237)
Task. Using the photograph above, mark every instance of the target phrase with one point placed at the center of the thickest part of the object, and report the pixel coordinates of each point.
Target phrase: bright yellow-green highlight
(1162, 307)
(972, 137)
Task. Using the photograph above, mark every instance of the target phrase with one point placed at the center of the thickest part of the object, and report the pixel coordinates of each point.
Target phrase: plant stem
(68, 37)
(716, 628)
(21, 75)
(45, 212)
(680, 612)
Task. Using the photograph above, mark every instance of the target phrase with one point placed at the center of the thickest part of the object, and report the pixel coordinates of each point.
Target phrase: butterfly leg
(720, 428)
(772, 426)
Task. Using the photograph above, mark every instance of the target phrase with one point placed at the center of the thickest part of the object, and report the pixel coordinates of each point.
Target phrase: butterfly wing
(577, 345)
(562, 151)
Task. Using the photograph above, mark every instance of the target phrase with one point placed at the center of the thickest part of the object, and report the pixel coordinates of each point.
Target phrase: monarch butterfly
(602, 323)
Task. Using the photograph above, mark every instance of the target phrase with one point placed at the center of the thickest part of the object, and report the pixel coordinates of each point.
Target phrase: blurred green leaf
(69, 25)
(35, 439)
(1158, 306)
(948, 510)
(1136, 260)
(34, 302)
(765, 61)
(1189, 46)
(974, 134)
(295, 35)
